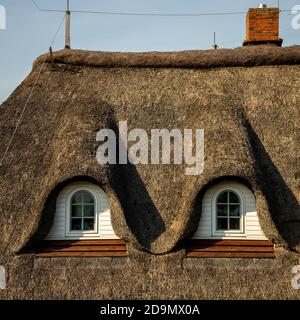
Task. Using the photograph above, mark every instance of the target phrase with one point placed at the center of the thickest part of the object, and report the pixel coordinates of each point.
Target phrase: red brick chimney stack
(262, 26)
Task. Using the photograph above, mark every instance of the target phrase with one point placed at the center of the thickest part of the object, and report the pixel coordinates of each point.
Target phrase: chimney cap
(262, 6)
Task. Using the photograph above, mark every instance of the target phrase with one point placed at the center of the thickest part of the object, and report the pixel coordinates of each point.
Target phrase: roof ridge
(197, 59)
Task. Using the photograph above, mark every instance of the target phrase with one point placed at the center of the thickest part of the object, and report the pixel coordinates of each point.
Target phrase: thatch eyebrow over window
(82, 225)
(229, 225)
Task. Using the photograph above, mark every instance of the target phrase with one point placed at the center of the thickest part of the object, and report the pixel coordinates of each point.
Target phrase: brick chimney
(262, 26)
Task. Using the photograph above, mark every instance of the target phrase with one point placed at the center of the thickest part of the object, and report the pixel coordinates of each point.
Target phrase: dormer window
(82, 212)
(229, 225)
(83, 209)
(228, 215)
(228, 211)
(82, 225)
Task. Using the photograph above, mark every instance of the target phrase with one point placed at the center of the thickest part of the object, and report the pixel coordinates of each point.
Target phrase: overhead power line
(153, 14)
(28, 98)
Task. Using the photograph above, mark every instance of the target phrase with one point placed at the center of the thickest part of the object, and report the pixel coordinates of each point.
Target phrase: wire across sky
(153, 14)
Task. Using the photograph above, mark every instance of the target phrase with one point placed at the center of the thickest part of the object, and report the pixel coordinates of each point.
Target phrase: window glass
(77, 198)
(222, 210)
(82, 211)
(223, 197)
(222, 224)
(228, 211)
(76, 210)
(233, 198)
(76, 224)
(234, 210)
(87, 197)
(234, 224)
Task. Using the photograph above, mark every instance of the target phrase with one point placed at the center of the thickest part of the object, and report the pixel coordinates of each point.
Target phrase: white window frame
(228, 233)
(78, 233)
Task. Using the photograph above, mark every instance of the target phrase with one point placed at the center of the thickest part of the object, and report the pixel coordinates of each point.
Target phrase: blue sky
(29, 32)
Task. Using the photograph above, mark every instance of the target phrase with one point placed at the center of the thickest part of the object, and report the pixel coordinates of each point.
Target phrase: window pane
(88, 224)
(87, 197)
(222, 210)
(222, 224)
(233, 198)
(234, 224)
(234, 210)
(76, 224)
(77, 197)
(76, 210)
(222, 198)
(88, 210)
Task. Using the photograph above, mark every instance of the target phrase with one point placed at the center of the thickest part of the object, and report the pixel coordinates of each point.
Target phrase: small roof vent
(262, 6)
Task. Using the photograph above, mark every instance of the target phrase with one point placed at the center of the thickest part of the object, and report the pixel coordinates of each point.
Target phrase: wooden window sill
(229, 248)
(82, 248)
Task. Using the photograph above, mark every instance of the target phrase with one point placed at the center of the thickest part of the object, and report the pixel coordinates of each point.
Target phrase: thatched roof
(251, 122)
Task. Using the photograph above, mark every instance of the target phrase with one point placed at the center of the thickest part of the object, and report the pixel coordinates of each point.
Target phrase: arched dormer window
(229, 225)
(82, 212)
(227, 212)
(228, 207)
(82, 225)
